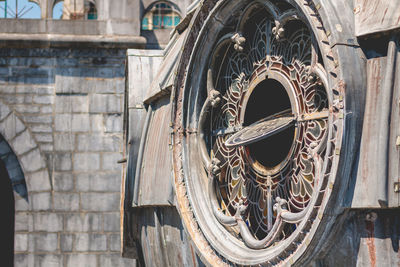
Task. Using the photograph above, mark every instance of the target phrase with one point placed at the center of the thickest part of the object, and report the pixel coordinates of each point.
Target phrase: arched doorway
(8, 214)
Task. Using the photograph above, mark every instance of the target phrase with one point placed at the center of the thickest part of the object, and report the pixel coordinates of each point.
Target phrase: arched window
(90, 10)
(58, 10)
(161, 15)
(20, 9)
(75, 10)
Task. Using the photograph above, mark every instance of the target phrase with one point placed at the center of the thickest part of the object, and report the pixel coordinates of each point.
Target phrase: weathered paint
(373, 175)
(373, 16)
(156, 186)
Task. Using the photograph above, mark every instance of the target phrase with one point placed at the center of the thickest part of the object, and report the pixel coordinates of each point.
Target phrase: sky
(27, 9)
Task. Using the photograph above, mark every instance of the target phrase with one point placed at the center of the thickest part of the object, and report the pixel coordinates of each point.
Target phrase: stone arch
(26, 150)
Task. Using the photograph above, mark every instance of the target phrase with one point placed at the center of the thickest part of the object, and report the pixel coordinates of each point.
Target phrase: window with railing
(19, 9)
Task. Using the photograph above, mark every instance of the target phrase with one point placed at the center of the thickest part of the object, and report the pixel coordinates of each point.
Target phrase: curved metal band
(253, 243)
(266, 4)
(221, 217)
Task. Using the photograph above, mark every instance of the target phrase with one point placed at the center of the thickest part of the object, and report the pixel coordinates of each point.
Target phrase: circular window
(253, 176)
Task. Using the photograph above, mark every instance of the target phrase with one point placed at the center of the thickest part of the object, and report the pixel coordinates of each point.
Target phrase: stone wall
(61, 113)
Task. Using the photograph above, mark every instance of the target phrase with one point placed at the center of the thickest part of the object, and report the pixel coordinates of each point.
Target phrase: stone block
(32, 161)
(86, 161)
(11, 126)
(68, 83)
(38, 181)
(72, 122)
(66, 201)
(114, 240)
(66, 242)
(109, 161)
(104, 86)
(108, 182)
(45, 119)
(40, 201)
(4, 111)
(71, 103)
(115, 259)
(27, 109)
(41, 128)
(20, 242)
(100, 201)
(111, 222)
(64, 141)
(105, 103)
(91, 242)
(48, 222)
(62, 162)
(43, 99)
(99, 142)
(20, 203)
(22, 260)
(17, 99)
(45, 90)
(43, 242)
(22, 221)
(46, 109)
(119, 85)
(46, 147)
(82, 222)
(96, 123)
(48, 260)
(74, 260)
(63, 181)
(44, 137)
(113, 123)
(23, 143)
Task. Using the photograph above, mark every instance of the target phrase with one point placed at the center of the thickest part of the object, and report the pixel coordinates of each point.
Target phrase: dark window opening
(268, 98)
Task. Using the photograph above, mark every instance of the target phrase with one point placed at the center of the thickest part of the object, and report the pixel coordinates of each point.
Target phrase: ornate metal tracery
(265, 201)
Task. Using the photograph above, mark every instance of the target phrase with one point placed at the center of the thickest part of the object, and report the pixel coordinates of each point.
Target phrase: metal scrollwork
(264, 206)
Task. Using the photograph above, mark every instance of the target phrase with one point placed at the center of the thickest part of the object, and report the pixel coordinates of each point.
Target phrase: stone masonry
(61, 113)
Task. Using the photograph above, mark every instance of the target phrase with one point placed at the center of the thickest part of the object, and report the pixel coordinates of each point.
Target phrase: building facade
(62, 91)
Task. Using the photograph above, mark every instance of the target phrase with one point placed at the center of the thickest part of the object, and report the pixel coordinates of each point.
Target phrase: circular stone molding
(260, 88)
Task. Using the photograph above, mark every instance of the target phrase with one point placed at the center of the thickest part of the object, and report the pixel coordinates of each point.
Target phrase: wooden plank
(156, 184)
(372, 169)
(394, 144)
(372, 16)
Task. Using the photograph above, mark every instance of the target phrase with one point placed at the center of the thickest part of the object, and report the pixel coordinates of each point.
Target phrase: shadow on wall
(13, 169)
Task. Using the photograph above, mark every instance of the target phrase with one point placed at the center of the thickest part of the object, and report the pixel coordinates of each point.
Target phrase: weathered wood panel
(394, 144)
(163, 239)
(156, 185)
(379, 155)
(372, 16)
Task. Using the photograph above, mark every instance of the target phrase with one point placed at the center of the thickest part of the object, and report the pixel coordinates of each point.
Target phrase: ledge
(19, 40)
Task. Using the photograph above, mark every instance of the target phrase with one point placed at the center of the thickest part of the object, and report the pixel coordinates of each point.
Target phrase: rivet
(330, 185)
(320, 216)
(318, 6)
(328, 33)
(337, 151)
